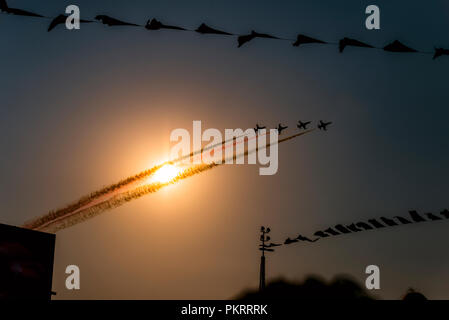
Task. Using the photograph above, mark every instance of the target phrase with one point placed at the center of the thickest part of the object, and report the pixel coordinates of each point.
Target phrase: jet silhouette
(302, 39)
(397, 46)
(61, 19)
(303, 125)
(155, 24)
(352, 42)
(440, 52)
(280, 128)
(246, 38)
(288, 241)
(257, 128)
(205, 29)
(113, 22)
(323, 125)
(18, 12)
(301, 238)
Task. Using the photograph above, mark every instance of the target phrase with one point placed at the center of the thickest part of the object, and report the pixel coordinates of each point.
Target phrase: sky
(82, 109)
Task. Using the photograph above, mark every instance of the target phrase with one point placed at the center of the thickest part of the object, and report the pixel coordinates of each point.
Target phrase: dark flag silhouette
(376, 223)
(397, 46)
(388, 222)
(445, 213)
(433, 217)
(364, 225)
(416, 217)
(288, 241)
(155, 24)
(440, 52)
(302, 238)
(18, 12)
(114, 22)
(205, 29)
(61, 19)
(246, 38)
(321, 234)
(332, 232)
(352, 227)
(342, 229)
(403, 220)
(302, 39)
(352, 42)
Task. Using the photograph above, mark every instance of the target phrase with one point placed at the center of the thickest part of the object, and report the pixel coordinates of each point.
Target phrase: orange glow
(165, 174)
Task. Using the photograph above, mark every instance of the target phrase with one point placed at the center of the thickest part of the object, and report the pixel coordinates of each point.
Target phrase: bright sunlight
(165, 174)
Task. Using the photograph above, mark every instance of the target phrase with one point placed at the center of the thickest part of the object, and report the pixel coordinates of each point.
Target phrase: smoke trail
(117, 200)
(52, 222)
(222, 143)
(87, 199)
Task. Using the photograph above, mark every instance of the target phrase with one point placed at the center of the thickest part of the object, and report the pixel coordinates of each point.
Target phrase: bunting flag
(352, 42)
(18, 12)
(302, 39)
(242, 39)
(397, 46)
(382, 222)
(440, 52)
(109, 21)
(247, 38)
(157, 25)
(205, 29)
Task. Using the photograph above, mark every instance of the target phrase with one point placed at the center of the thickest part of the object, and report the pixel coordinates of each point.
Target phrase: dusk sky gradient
(82, 109)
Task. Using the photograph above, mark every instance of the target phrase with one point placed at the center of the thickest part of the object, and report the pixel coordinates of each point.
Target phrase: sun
(166, 173)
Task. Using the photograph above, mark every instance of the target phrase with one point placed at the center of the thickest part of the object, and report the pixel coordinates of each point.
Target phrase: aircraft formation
(242, 39)
(322, 125)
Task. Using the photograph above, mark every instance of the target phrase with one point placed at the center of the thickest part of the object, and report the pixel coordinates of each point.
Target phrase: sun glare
(166, 173)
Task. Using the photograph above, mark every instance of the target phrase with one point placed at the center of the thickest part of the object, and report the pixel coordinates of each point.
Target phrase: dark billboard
(26, 263)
